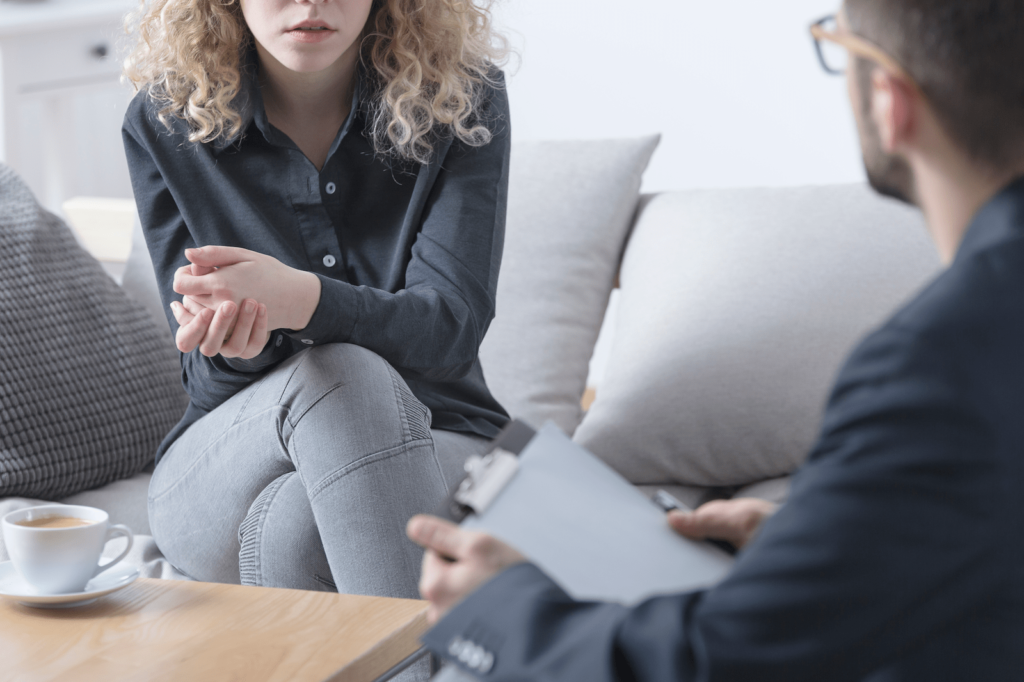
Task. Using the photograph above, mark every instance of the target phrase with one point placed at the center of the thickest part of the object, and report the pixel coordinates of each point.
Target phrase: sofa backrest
(736, 309)
(571, 204)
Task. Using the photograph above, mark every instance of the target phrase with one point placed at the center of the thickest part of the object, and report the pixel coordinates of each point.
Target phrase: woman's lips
(311, 35)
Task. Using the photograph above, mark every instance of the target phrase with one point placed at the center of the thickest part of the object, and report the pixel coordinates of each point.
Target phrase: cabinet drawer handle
(100, 51)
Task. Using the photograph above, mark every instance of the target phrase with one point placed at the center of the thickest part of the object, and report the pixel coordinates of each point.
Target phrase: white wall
(733, 86)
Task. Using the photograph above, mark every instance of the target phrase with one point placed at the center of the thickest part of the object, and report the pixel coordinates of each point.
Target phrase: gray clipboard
(587, 527)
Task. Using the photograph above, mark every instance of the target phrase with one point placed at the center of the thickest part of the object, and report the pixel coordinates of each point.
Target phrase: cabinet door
(62, 107)
(68, 144)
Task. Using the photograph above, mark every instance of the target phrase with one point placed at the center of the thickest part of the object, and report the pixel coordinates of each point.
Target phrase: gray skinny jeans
(307, 478)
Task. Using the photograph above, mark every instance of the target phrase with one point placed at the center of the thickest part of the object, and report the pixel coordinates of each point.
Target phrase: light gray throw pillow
(89, 385)
(737, 308)
(570, 207)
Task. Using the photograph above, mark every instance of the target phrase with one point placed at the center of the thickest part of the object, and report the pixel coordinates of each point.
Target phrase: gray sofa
(733, 312)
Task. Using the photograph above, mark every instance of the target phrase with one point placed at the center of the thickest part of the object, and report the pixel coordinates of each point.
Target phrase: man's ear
(894, 109)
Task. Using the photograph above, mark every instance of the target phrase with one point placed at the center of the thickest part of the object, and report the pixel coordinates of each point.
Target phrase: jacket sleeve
(895, 530)
(432, 328)
(208, 381)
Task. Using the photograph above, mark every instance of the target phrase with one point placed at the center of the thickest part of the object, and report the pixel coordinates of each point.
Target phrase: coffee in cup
(54, 522)
(56, 548)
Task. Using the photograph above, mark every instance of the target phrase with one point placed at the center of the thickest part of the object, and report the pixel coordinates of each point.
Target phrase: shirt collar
(998, 221)
(249, 104)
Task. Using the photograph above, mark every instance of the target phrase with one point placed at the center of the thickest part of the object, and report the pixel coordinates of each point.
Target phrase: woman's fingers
(238, 341)
(221, 324)
(192, 333)
(218, 256)
(228, 331)
(187, 284)
(199, 270)
(181, 314)
(259, 335)
(192, 305)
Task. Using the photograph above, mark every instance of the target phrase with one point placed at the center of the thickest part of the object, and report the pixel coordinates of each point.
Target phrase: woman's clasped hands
(233, 298)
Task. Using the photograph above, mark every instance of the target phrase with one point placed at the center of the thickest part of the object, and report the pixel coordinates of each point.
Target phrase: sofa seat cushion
(737, 308)
(88, 385)
(126, 500)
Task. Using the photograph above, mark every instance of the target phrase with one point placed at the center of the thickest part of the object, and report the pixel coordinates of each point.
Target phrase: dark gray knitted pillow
(88, 384)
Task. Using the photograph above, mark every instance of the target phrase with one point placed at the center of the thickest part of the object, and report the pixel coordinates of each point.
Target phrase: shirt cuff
(334, 317)
(270, 355)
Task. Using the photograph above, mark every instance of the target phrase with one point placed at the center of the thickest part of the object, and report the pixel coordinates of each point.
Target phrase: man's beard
(888, 174)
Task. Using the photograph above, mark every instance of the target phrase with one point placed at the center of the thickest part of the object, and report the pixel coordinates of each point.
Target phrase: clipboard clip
(488, 474)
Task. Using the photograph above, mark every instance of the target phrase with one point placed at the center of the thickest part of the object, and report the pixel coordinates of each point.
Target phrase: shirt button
(280, 340)
(329, 260)
(330, 187)
(308, 342)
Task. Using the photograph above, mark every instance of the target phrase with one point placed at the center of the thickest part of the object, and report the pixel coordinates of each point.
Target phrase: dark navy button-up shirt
(407, 254)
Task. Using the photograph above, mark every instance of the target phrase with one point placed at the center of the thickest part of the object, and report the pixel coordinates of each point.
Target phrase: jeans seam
(405, 422)
(294, 371)
(366, 460)
(403, 415)
(258, 530)
(313, 403)
(252, 394)
(324, 581)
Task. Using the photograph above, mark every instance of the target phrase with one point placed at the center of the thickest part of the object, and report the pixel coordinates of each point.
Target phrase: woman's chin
(294, 60)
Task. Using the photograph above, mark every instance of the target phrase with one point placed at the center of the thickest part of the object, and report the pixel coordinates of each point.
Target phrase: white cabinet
(61, 99)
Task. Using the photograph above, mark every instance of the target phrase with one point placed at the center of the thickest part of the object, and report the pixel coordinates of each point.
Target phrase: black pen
(667, 503)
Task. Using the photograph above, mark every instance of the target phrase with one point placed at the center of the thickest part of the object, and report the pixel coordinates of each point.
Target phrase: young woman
(322, 187)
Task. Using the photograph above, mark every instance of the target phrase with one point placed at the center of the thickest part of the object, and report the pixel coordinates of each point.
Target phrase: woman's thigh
(359, 441)
(453, 449)
(281, 545)
(204, 485)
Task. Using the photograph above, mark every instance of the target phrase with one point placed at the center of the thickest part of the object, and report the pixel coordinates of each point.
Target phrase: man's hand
(456, 561)
(735, 521)
(218, 274)
(226, 331)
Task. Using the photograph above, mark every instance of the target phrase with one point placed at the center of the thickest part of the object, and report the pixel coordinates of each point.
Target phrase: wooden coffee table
(176, 630)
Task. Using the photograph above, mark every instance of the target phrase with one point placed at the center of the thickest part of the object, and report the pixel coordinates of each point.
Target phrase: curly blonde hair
(428, 62)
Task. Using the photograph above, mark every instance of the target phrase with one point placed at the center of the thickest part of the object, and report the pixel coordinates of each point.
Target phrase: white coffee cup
(61, 560)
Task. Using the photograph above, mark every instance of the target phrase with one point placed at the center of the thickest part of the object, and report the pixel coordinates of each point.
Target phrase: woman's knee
(357, 391)
(332, 357)
(194, 541)
(201, 490)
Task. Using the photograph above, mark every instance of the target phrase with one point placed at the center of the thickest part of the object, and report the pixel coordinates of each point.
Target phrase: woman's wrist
(305, 300)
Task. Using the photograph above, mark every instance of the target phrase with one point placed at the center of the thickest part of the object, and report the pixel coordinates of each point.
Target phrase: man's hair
(967, 56)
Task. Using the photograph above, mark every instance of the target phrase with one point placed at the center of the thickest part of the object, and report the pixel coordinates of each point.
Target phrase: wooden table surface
(183, 631)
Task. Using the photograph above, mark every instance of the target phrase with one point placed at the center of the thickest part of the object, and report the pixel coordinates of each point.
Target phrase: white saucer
(14, 587)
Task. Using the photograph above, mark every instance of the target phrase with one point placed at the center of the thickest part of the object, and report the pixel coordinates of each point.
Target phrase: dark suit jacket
(900, 554)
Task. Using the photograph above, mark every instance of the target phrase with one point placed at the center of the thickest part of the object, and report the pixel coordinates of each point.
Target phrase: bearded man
(898, 555)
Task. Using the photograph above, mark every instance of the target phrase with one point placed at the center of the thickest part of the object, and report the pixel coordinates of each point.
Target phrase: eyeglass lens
(835, 58)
